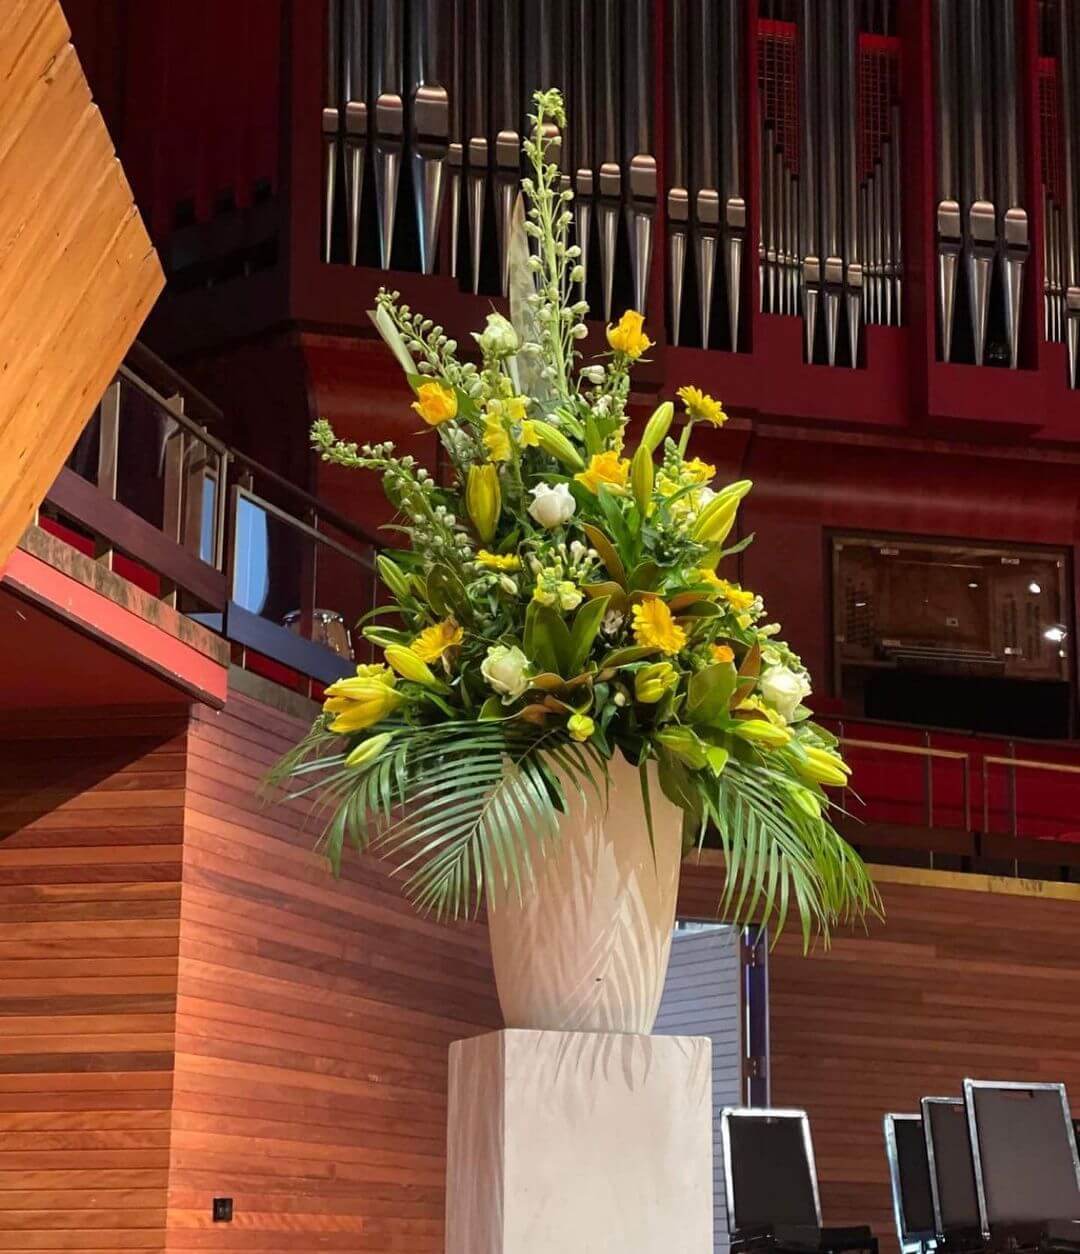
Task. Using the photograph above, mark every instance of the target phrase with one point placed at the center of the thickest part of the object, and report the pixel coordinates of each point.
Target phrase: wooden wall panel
(313, 1023)
(954, 983)
(91, 811)
(77, 272)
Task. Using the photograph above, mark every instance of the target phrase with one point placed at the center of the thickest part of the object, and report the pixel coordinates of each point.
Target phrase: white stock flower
(552, 506)
(498, 338)
(784, 689)
(504, 668)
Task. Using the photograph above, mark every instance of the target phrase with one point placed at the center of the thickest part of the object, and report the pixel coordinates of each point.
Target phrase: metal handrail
(928, 753)
(1063, 768)
(312, 505)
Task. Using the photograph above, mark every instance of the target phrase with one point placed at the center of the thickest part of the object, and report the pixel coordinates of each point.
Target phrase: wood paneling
(91, 813)
(954, 983)
(77, 272)
(313, 1023)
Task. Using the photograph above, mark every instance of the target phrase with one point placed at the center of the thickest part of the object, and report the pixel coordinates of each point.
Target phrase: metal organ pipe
(1069, 27)
(387, 87)
(678, 196)
(331, 121)
(429, 121)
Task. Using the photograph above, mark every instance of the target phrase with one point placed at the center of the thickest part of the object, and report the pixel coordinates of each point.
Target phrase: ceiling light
(1034, 588)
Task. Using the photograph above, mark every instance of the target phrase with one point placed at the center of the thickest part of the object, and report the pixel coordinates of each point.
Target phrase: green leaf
(608, 554)
(645, 577)
(586, 625)
(623, 657)
(709, 691)
(547, 639)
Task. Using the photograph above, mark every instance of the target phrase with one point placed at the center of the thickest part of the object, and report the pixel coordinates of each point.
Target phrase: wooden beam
(78, 274)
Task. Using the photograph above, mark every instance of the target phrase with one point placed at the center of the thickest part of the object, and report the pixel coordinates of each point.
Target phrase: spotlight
(1034, 588)
(1055, 634)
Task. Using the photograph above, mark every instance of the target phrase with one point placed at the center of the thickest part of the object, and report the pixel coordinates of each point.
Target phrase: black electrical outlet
(222, 1210)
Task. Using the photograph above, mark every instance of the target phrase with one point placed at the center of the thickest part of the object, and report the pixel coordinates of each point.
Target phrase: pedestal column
(580, 1143)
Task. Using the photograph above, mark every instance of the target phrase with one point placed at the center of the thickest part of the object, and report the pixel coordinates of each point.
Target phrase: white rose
(784, 689)
(552, 506)
(498, 338)
(504, 668)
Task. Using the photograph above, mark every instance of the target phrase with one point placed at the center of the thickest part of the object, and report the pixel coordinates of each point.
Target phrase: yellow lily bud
(685, 745)
(823, 767)
(552, 441)
(411, 667)
(651, 682)
(641, 479)
(658, 425)
(367, 702)
(393, 576)
(367, 750)
(716, 520)
(483, 500)
(760, 731)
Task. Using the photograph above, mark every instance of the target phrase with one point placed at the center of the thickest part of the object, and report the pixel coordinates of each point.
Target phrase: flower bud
(652, 682)
(658, 426)
(552, 441)
(393, 576)
(760, 731)
(368, 750)
(411, 667)
(483, 500)
(641, 479)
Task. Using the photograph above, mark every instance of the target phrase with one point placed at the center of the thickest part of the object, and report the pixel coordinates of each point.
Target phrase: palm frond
(774, 851)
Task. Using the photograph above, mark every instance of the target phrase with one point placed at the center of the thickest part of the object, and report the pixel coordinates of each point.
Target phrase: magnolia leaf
(608, 554)
(492, 708)
(700, 609)
(644, 577)
(709, 692)
(583, 633)
(682, 599)
(750, 668)
(537, 714)
(623, 657)
(547, 638)
(614, 592)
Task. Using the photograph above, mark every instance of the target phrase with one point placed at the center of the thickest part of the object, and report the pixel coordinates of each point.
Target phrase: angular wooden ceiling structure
(78, 274)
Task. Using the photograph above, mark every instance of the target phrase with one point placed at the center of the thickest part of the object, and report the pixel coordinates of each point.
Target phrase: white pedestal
(580, 1143)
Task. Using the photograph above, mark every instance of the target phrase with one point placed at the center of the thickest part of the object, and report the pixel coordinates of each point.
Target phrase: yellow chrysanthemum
(738, 598)
(497, 561)
(697, 471)
(496, 438)
(433, 642)
(435, 403)
(702, 407)
(628, 337)
(608, 468)
(723, 653)
(654, 628)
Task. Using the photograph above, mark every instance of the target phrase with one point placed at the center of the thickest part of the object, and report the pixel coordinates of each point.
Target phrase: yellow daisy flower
(723, 653)
(435, 403)
(628, 337)
(654, 627)
(607, 468)
(497, 561)
(738, 598)
(702, 407)
(697, 471)
(433, 642)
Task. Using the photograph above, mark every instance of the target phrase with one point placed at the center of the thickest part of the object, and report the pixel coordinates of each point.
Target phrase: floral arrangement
(557, 601)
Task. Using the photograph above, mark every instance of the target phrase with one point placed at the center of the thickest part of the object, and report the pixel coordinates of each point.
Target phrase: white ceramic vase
(585, 947)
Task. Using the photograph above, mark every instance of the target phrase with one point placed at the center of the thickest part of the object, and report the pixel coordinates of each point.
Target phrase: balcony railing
(156, 495)
(974, 803)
